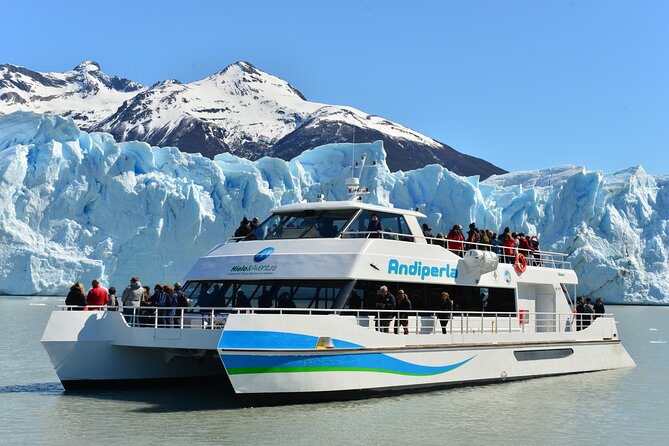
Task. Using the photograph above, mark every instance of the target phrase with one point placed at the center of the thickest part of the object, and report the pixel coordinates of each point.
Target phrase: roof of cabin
(337, 205)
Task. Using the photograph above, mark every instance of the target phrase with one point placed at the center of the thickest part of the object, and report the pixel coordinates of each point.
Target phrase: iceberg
(76, 206)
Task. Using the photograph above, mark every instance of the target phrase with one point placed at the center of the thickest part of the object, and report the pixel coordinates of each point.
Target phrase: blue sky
(522, 84)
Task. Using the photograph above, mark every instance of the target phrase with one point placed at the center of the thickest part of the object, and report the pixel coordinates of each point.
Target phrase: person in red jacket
(97, 296)
(455, 239)
(509, 243)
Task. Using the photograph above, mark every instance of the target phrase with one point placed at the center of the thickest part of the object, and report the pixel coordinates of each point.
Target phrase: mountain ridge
(240, 109)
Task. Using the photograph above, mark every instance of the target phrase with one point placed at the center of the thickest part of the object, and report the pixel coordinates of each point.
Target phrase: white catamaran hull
(267, 357)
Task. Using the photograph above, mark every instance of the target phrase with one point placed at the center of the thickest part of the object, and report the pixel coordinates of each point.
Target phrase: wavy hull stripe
(371, 362)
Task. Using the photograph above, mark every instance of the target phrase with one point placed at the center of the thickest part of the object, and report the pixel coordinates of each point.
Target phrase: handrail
(548, 259)
(415, 321)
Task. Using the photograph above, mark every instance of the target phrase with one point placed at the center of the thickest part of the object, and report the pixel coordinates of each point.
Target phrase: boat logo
(262, 255)
(507, 276)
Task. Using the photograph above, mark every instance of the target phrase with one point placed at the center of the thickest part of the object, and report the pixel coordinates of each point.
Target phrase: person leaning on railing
(455, 239)
(76, 297)
(97, 296)
(446, 305)
(131, 298)
(384, 301)
(403, 303)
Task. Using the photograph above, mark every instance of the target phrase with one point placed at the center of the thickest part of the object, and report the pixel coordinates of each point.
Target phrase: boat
(288, 313)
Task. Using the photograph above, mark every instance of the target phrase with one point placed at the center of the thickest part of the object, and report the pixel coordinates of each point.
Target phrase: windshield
(303, 224)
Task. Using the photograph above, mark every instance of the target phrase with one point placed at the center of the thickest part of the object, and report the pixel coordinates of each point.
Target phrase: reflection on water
(622, 406)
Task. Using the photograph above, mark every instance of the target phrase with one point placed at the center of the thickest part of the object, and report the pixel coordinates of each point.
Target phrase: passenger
(403, 303)
(242, 301)
(285, 301)
(495, 242)
(580, 309)
(599, 307)
(182, 302)
(534, 243)
(147, 308)
(485, 240)
(455, 239)
(255, 223)
(76, 297)
(156, 300)
(244, 228)
(427, 232)
(374, 226)
(354, 302)
(524, 245)
(132, 298)
(265, 300)
(326, 228)
(473, 237)
(97, 296)
(113, 302)
(508, 242)
(169, 303)
(587, 309)
(384, 301)
(441, 240)
(206, 299)
(446, 305)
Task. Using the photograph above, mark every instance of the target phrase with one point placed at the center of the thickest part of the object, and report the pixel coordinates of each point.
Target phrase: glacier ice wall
(75, 206)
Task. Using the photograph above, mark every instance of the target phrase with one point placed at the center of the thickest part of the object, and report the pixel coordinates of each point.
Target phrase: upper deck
(339, 240)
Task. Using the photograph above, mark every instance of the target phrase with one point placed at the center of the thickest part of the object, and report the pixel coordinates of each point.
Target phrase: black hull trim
(217, 383)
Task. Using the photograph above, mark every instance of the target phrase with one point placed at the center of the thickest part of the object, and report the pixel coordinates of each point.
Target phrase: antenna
(353, 183)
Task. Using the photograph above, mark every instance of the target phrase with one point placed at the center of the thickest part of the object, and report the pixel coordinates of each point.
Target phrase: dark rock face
(402, 154)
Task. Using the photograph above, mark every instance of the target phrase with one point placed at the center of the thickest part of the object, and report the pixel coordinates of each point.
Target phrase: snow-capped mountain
(85, 93)
(240, 110)
(75, 206)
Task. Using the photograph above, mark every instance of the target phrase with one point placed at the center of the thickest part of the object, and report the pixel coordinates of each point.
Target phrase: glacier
(77, 206)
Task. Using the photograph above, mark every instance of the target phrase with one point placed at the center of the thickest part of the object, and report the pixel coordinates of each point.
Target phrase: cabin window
(303, 224)
(395, 224)
(428, 296)
(264, 294)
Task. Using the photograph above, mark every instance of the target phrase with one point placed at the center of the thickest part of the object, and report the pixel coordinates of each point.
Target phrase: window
(264, 294)
(393, 223)
(303, 224)
(428, 296)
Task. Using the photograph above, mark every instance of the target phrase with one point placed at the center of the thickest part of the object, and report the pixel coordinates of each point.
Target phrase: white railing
(546, 259)
(388, 321)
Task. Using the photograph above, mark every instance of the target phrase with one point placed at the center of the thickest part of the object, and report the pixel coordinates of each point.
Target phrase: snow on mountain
(77, 205)
(85, 93)
(241, 110)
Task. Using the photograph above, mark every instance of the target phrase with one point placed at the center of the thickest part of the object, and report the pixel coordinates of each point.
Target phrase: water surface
(619, 407)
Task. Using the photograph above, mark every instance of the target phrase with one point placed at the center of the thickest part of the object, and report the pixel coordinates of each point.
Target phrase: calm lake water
(613, 407)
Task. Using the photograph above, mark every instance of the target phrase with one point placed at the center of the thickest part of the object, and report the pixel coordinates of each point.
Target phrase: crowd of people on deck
(586, 313)
(246, 226)
(136, 301)
(506, 245)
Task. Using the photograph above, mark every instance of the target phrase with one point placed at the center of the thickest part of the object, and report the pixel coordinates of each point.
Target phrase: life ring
(520, 264)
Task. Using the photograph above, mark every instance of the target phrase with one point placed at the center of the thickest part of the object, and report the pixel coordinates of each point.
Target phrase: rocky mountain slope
(241, 110)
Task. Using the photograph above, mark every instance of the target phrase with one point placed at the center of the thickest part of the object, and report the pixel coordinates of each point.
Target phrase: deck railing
(420, 322)
(546, 259)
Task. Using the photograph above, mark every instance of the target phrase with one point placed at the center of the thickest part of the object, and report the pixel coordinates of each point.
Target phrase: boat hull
(98, 349)
(264, 369)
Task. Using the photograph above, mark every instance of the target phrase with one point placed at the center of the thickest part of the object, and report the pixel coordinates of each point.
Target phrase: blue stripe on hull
(371, 362)
(270, 340)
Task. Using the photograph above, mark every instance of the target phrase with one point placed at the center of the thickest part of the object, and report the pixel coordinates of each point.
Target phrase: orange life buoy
(520, 264)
